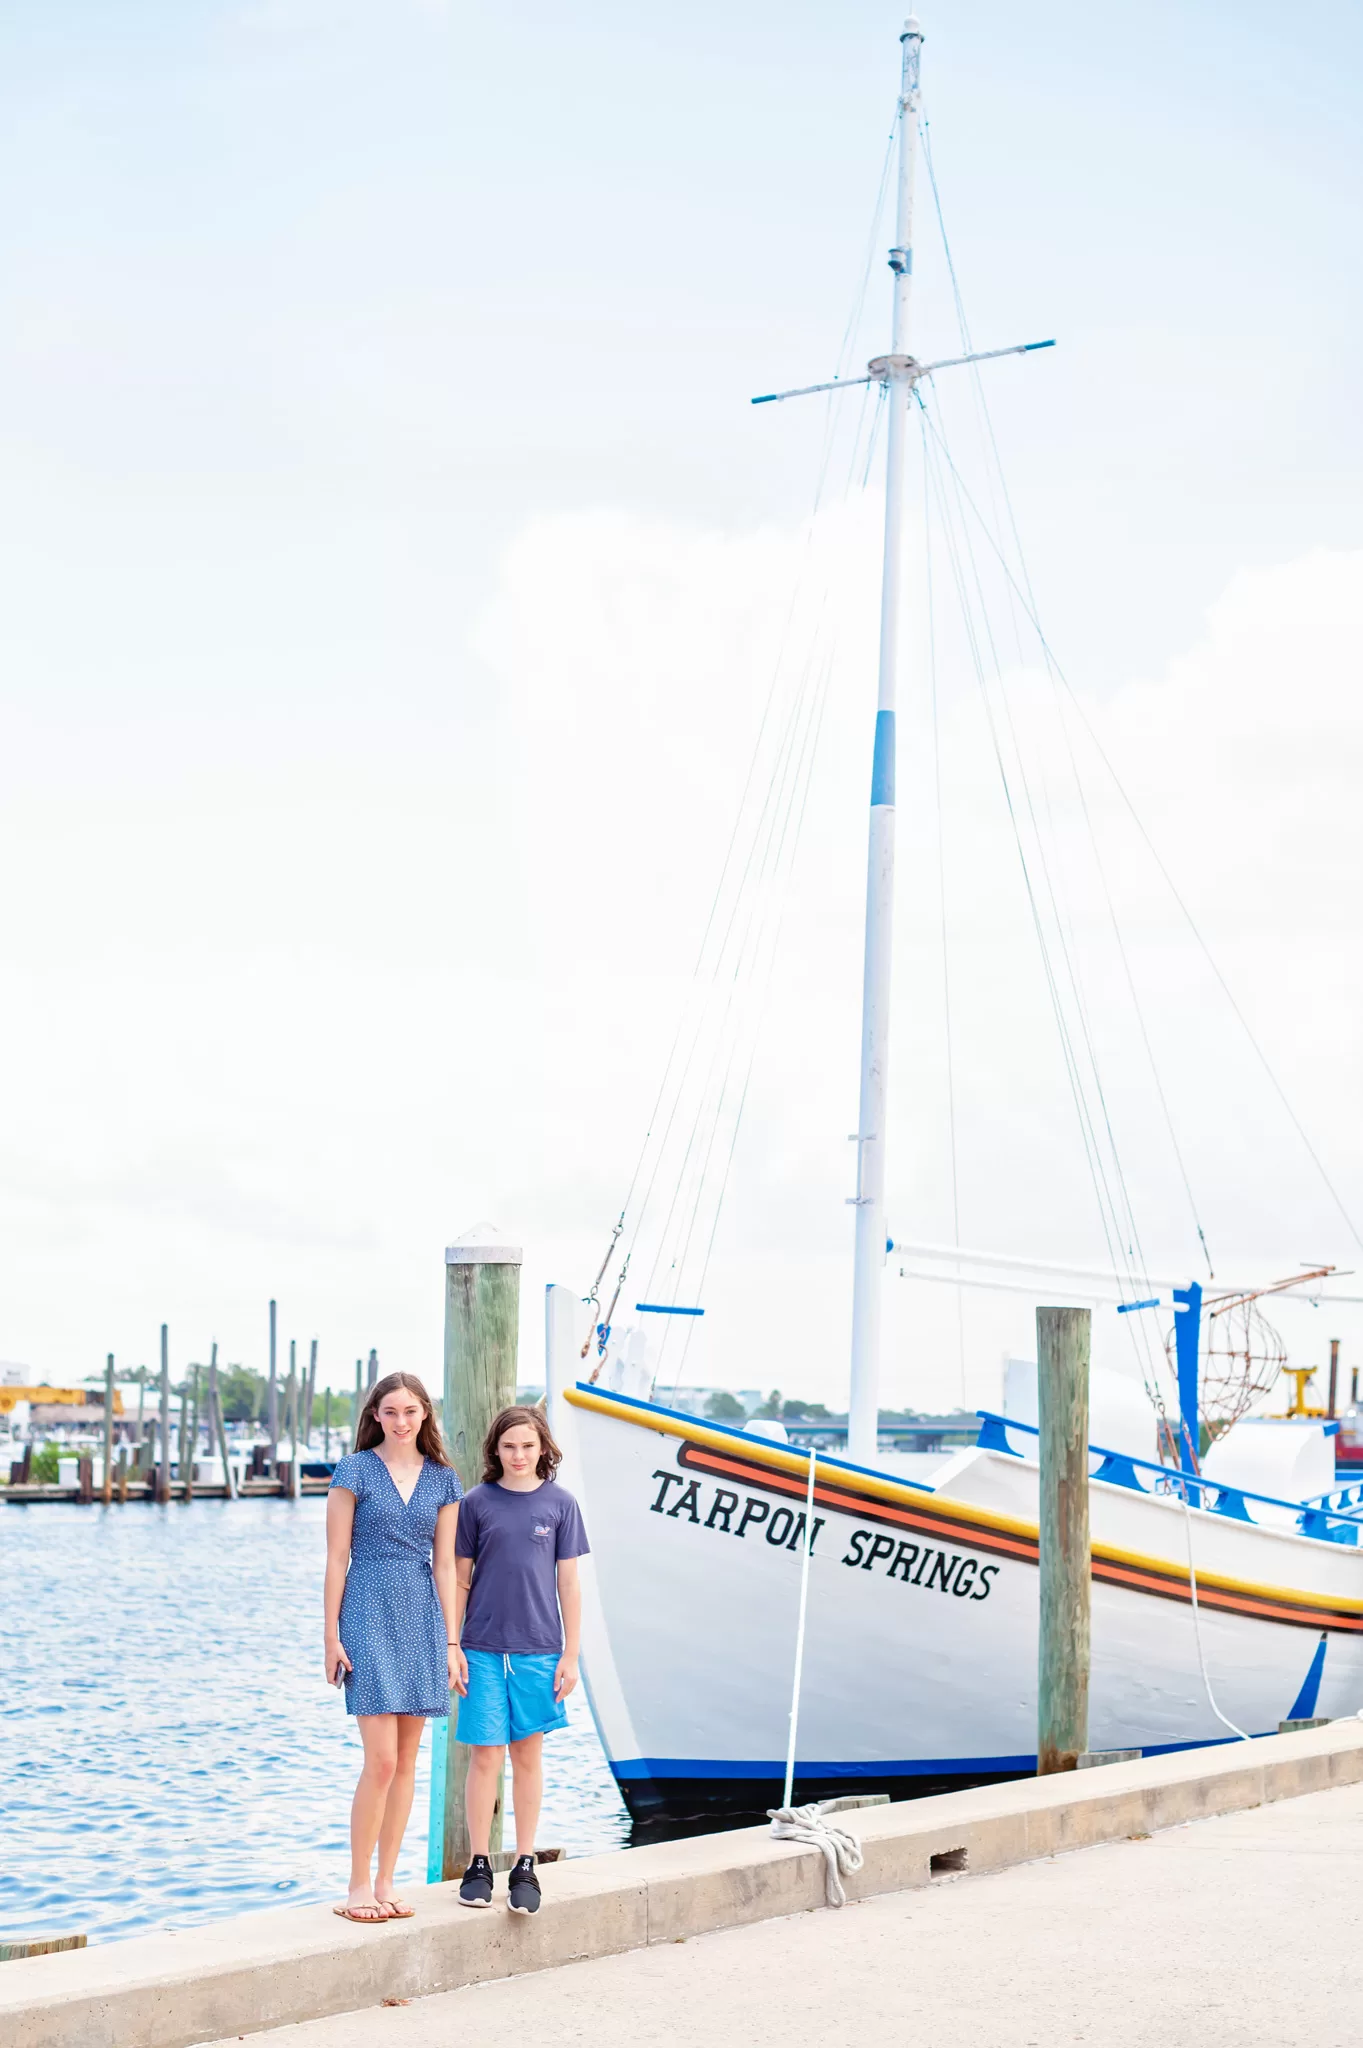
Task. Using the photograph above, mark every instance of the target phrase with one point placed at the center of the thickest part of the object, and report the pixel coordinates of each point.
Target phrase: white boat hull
(921, 1650)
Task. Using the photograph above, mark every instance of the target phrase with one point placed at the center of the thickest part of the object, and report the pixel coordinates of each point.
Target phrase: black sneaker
(523, 1887)
(475, 1888)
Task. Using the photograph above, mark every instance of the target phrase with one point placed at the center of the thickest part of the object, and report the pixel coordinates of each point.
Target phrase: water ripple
(181, 1755)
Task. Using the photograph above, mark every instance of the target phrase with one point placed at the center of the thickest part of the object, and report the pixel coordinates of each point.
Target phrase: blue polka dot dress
(391, 1620)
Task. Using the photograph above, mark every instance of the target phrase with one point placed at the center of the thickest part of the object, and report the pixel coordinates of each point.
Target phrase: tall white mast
(898, 372)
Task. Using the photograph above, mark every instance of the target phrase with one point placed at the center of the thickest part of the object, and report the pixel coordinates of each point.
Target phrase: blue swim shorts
(509, 1697)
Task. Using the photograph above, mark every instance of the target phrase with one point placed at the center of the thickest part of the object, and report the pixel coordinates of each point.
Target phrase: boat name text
(737, 1514)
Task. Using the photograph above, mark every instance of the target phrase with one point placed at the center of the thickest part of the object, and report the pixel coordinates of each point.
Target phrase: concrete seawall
(267, 1969)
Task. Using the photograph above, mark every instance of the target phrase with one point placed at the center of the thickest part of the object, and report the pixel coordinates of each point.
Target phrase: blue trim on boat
(744, 1436)
(637, 1769)
(658, 1308)
(775, 1767)
(1120, 1468)
(1304, 1705)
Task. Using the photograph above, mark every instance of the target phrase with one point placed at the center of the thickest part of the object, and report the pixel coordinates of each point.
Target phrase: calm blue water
(169, 1749)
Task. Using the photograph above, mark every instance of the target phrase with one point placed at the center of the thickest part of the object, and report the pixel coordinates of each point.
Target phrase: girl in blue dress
(389, 1607)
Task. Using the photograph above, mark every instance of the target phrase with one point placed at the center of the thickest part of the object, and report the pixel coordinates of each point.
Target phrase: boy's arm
(570, 1604)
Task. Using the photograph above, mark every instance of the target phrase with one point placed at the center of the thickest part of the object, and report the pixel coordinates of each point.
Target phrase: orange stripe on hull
(1170, 1584)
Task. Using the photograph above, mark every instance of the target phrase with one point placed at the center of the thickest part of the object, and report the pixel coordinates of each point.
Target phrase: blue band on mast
(882, 766)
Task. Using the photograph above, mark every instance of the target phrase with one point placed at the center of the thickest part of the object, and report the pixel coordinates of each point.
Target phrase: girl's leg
(399, 1802)
(379, 1734)
(480, 1794)
(527, 1790)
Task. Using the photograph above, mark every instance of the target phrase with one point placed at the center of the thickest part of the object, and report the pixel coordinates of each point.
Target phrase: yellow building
(60, 1397)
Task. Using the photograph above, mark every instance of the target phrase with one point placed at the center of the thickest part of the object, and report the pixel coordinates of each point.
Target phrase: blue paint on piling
(882, 766)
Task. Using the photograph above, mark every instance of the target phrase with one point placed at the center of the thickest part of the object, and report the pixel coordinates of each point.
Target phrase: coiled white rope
(812, 1826)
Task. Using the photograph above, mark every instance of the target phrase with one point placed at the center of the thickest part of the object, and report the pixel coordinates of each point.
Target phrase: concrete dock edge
(238, 1977)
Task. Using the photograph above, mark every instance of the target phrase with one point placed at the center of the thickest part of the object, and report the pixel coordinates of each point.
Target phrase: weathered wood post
(312, 1394)
(359, 1400)
(189, 1432)
(163, 1471)
(1062, 1385)
(326, 1424)
(482, 1333)
(217, 1422)
(297, 1387)
(272, 1393)
(106, 1491)
(372, 1371)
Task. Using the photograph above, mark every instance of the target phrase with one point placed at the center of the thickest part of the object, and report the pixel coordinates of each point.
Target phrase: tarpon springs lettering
(783, 1530)
(734, 1514)
(963, 1576)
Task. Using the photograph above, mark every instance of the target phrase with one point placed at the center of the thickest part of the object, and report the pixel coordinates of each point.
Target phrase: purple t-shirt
(515, 1541)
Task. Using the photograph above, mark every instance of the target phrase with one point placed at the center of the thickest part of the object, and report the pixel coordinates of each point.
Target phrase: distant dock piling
(312, 1393)
(163, 1470)
(1063, 1338)
(106, 1491)
(272, 1390)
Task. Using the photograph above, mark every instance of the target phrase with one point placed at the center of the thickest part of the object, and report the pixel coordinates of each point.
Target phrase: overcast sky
(391, 572)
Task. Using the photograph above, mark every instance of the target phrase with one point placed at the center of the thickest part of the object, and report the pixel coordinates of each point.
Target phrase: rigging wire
(1109, 1183)
(752, 1054)
(1161, 865)
(995, 470)
(691, 1024)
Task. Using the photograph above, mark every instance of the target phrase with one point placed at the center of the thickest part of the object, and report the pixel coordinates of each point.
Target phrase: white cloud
(291, 1026)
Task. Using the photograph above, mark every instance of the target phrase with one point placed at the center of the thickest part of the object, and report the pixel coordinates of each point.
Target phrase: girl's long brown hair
(369, 1430)
(550, 1457)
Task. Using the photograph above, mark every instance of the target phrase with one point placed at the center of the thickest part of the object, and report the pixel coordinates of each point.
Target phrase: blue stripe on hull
(644, 1767)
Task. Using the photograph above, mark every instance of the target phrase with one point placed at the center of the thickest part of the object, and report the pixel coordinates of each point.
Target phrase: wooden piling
(189, 1432)
(372, 1371)
(1334, 1375)
(359, 1400)
(272, 1393)
(482, 1331)
(1062, 1336)
(295, 1487)
(217, 1423)
(122, 1473)
(106, 1491)
(312, 1393)
(163, 1470)
(326, 1425)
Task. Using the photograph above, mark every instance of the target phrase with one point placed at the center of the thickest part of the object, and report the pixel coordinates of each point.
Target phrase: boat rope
(812, 1826)
(797, 1675)
(1224, 1719)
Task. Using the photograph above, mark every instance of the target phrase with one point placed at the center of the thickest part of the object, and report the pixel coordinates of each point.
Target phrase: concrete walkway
(1239, 1931)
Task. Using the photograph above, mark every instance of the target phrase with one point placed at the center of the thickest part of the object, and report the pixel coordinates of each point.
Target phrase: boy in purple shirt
(517, 1625)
